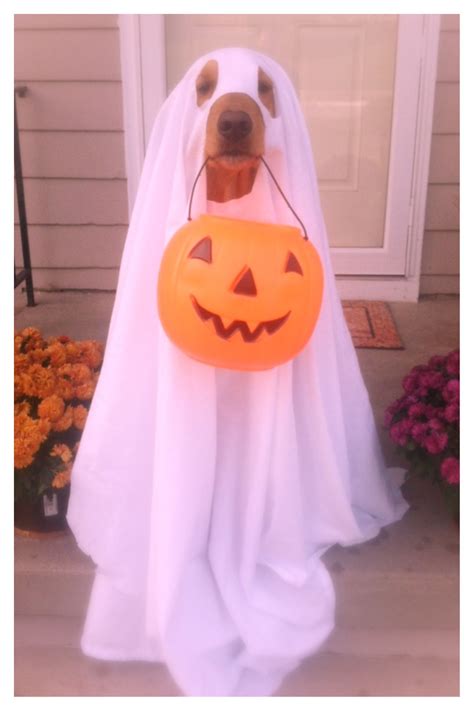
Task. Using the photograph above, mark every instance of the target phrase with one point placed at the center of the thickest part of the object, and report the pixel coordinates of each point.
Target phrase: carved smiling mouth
(237, 325)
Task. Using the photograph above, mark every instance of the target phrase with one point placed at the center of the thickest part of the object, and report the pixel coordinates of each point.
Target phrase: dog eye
(202, 250)
(292, 264)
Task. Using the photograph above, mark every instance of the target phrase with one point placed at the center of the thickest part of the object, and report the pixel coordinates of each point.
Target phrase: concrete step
(406, 577)
(352, 662)
(396, 629)
(332, 674)
(55, 631)
(364, 599)
(65, 671)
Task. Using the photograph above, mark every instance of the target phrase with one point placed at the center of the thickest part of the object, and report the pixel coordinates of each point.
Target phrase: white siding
(71, 133)
(71, 136)
(440, 263)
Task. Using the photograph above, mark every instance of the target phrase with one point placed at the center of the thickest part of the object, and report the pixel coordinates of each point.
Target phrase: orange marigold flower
(51, 408)
(65, 422)
(65, 371)
(23, 454)
(38, 355)
(22, 362)
(31, 339)
(43, 427)
(30, 332)
(20, 407)
(92, 353)
(80, 374)
(62, 451)
(26, 385)
(18, 386)
(38, 381)
(64, 389)
(85, 391)
(57, 354)
(80, 416)
(73, 352)
(29, 436)
(62, 478)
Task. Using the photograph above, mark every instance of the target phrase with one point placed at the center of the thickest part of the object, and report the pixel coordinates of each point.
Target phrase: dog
(235, 134)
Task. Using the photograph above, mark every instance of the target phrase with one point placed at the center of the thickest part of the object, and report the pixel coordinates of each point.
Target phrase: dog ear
(266, 92)
(206, 82)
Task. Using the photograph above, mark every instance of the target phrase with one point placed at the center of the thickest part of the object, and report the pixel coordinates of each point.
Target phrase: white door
(358, 80)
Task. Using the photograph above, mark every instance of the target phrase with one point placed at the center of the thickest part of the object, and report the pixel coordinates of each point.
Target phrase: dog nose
(234, 125)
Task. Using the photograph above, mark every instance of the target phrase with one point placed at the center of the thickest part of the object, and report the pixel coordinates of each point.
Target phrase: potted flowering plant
(424, 423)
(54, 381)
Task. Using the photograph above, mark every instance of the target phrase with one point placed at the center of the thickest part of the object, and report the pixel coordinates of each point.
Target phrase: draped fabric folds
(206, 497)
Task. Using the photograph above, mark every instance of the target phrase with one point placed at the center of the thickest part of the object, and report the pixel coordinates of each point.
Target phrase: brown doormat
(371, 325)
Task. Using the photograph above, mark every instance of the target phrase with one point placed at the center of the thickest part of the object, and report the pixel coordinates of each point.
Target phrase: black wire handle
(274, 180)
(194, 185)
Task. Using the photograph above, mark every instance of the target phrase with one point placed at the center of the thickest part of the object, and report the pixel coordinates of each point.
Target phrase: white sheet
(206, 497)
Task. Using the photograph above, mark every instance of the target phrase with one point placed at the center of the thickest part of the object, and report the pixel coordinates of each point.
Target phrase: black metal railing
(25, 274)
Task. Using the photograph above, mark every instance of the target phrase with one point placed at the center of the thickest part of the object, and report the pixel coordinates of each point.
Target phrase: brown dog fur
(232, 165)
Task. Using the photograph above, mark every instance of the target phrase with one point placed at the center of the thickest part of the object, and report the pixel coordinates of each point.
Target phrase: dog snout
(234, 125)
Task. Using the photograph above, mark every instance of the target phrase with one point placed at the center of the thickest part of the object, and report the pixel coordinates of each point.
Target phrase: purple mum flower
(451, 391)
(451, 412)
(410, 382)
(435, 442)
(399, 432)
(417, 410)
(452, 363)
(450, 470)
(437, 361)
(418, 431)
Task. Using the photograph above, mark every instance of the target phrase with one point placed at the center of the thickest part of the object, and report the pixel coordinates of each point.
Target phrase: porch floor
(398, 595)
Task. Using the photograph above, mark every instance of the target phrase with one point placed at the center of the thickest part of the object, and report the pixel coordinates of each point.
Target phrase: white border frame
(144, 60)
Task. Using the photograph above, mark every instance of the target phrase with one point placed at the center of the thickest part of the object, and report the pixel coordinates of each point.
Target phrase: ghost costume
(206, 497)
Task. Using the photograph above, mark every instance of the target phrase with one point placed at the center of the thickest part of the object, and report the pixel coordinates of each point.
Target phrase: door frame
(143, 62)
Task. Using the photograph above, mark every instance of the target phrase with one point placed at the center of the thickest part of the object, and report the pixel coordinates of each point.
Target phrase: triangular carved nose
(246, 284)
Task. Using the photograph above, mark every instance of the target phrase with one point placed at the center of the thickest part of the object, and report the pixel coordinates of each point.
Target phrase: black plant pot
(46, 514)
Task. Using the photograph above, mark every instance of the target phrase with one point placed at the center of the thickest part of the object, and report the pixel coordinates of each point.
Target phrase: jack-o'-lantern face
(237, 294)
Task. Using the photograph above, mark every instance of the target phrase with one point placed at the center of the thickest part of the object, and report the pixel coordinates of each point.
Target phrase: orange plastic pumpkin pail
(237, 294)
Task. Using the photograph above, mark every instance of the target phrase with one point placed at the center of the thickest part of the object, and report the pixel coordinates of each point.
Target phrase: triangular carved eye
(202, 250)
(292, 264)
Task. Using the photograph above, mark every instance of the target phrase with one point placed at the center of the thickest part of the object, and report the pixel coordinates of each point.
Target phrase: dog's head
(235, 130)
